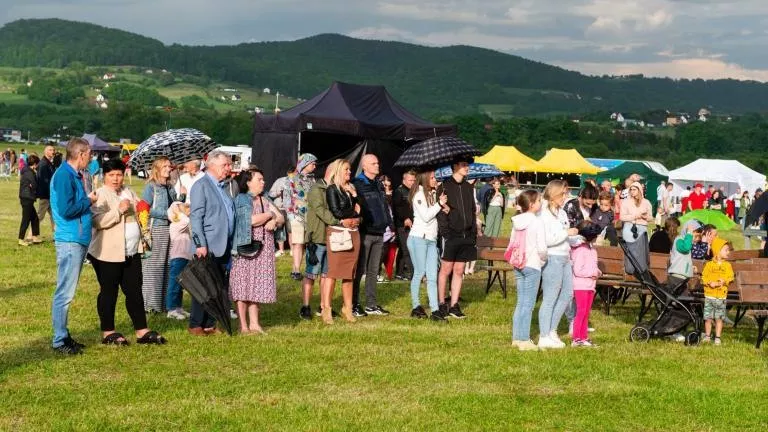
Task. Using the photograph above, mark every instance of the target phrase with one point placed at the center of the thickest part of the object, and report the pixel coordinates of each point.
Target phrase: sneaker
(418, 312)
(183, 312)
(555, 338)
(36, 240)
(678, 337)
(705, 338)
(455, 312)
(577, 343)
(438, 316)
(305, 313)
(296, 276)
(381, 279)
(358, 311)
(717, 341)
(402, 277)
(376, 310)
(590, 329)
(527, 345)
(25, 243)
(546, 343)
(443, 308)
(278, 254)
(232, 314)
(68, 349)
(70, 341)
(175, 314)
(588, 343)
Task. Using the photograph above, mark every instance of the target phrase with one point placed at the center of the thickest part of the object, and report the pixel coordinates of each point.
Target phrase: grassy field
(389, 373)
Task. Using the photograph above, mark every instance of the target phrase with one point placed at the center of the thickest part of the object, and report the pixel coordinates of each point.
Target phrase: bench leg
(604, 292)
(740, 312)
(504, 285)
(761, 331)
(490, 281)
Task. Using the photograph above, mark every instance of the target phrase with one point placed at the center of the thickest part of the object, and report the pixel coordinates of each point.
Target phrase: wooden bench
(492, 250)
(746, 254)
(752, 287)
(616, 284)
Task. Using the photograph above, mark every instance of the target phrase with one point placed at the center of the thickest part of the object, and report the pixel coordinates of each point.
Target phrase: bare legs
(298, 254)
(446, 269)
(327, 286)
(249, 311)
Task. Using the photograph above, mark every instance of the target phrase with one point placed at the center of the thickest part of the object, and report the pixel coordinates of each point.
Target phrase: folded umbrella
(436, 151)
(204, 281)
(178, 145)
(711, 217)
(476, 171)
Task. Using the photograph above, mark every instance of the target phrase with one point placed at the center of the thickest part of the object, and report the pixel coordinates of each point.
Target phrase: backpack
(515, 253)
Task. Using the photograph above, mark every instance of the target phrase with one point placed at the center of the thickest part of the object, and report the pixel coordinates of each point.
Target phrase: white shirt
(132, 231)
(187, 181)
(424, 216)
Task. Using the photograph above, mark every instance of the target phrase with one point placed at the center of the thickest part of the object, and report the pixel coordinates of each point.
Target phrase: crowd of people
(339, 227)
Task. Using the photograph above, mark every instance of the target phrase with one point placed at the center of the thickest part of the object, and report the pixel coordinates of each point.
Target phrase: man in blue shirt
(71, 209)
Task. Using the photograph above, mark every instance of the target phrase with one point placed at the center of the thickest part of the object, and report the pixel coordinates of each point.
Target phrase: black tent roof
(352, 109)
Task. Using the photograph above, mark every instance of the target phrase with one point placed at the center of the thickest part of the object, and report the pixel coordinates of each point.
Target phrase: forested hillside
(431, 81)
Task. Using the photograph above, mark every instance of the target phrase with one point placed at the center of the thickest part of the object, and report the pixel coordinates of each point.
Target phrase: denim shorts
(321, 268)
(714, 308)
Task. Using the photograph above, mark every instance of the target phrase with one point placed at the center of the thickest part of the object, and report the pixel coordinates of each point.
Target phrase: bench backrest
(492, 242)
(752, 286)
(746, 254)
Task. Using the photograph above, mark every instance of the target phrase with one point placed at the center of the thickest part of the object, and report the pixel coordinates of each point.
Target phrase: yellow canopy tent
(509, 158)
(565, 161)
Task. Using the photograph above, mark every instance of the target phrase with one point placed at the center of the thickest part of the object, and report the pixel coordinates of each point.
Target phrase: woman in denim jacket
(159, 194)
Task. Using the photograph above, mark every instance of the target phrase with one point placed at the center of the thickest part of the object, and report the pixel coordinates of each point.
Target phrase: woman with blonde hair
(342, 240)
(159, 194)
(556, 274)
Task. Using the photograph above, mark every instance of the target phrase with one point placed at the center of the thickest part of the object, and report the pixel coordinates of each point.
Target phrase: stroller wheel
(693, 338)
(639, 333)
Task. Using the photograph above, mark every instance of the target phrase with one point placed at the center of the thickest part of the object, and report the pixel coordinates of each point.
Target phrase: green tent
(651, 172)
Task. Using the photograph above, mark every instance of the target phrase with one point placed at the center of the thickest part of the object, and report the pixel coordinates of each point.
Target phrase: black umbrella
(758, 208)
(436, 151)
(204, 281)
(178, 145)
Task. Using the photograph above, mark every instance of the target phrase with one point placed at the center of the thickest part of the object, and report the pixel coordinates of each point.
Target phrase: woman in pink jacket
(636, 212)
(585, 275)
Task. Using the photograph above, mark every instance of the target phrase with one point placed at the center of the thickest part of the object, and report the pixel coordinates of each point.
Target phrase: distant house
(100, 98)
(266, 90)
(619, 118)
(704, 112)
(164, 71)
(29, 83)
(149, 71)
(258, 110)
(231, 90)
(103, 105)
(235, 97)
(223, 98)
(108, 76)
(672, 120)
(702, 118)
(106, 85)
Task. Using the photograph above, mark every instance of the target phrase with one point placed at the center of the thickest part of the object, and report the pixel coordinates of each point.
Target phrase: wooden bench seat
(752, 287)
(491, 250)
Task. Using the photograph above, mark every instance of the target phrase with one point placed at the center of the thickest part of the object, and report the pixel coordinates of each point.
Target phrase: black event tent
(345, 121)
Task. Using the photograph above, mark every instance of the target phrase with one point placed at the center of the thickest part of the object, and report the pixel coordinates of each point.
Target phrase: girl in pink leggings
(585, 275)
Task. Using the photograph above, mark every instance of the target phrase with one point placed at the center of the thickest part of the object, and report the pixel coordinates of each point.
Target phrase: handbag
(253, 249)
(340, 240)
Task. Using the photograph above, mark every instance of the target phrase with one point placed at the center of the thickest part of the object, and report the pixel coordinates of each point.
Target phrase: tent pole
(299, 152)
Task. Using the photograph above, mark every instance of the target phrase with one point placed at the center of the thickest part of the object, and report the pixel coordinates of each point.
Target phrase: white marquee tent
(728, 173)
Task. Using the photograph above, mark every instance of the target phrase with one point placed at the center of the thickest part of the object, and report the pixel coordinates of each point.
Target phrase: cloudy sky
(677, 38)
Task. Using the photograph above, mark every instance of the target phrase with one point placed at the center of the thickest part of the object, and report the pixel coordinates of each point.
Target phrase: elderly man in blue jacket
(212, 217)
(71, 210)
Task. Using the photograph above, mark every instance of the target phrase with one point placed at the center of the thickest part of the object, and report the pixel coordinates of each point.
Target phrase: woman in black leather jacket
(27, 196)
(342, 259)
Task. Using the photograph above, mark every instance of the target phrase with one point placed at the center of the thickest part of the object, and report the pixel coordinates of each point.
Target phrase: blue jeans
(527, 284)
(557, 289)
(69, 263)
(424, 258)
(173, 296)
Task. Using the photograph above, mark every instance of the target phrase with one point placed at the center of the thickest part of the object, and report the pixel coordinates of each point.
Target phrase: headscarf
(297, 188)
(304, 160)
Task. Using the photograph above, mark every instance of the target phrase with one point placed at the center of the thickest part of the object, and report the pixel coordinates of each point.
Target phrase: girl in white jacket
(527, 280)
(556, 275)
(422, 242)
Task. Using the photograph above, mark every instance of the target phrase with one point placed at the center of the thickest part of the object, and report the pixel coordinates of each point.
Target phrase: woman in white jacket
(556, 275)
(527, 279)
(422, 242)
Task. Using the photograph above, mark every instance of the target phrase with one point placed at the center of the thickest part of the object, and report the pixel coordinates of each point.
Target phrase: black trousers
(127, 276)
(28, 216)
(404, 264)
(198, 317)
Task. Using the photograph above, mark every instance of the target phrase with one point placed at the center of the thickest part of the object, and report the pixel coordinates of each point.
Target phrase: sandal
(151, 338)
(115, 339)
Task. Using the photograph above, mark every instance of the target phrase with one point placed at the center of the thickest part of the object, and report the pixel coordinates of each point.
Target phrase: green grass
(389, 373)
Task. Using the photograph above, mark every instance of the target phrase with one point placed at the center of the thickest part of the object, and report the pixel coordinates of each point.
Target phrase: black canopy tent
(345, 121)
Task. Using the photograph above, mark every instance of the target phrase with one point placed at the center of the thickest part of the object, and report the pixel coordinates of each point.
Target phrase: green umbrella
(712, 217)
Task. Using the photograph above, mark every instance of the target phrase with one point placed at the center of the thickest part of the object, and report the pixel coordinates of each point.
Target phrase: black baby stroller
(675, 311)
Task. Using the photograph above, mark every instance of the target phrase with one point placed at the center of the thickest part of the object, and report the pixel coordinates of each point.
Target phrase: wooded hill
(431, 81)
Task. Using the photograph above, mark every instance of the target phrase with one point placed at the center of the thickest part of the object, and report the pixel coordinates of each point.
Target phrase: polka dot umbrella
(178, 145)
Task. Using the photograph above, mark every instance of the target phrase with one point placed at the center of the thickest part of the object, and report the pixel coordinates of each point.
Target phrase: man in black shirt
(44, 175)
(403, 212)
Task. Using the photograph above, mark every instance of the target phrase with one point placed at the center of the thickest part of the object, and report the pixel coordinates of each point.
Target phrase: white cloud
(691, 68)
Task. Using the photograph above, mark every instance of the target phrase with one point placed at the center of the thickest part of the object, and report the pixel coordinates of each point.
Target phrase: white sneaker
(175, 314)
(678, 337)
(526, 345)
(590, 329)
(576, 343)
(588, 343)
(183, 312)
(546, 343)
(278, 254)
(554, 338)
(232, 314)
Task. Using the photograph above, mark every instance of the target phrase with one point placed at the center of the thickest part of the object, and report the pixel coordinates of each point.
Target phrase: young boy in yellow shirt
(715, 277)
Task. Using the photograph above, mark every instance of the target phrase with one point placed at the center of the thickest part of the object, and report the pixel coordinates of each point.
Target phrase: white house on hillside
(236, 97)
(100, 98)
(103, 105)
(266, 90)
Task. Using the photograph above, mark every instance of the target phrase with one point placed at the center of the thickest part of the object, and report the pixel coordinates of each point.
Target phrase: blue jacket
(243, 210)
(159, 198)
(209, 217)
(373, 203)
(70, 206)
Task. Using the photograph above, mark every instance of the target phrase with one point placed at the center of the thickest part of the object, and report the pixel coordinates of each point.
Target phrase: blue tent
(476, 171)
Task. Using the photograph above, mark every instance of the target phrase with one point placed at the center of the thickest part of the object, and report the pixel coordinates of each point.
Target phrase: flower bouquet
(142, 216)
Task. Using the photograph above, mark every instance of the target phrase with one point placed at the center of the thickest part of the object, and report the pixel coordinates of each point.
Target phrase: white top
(132, 230)
(535, 239)
(497, 200)
(556, 231)
(424, 216)
(187, 181)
